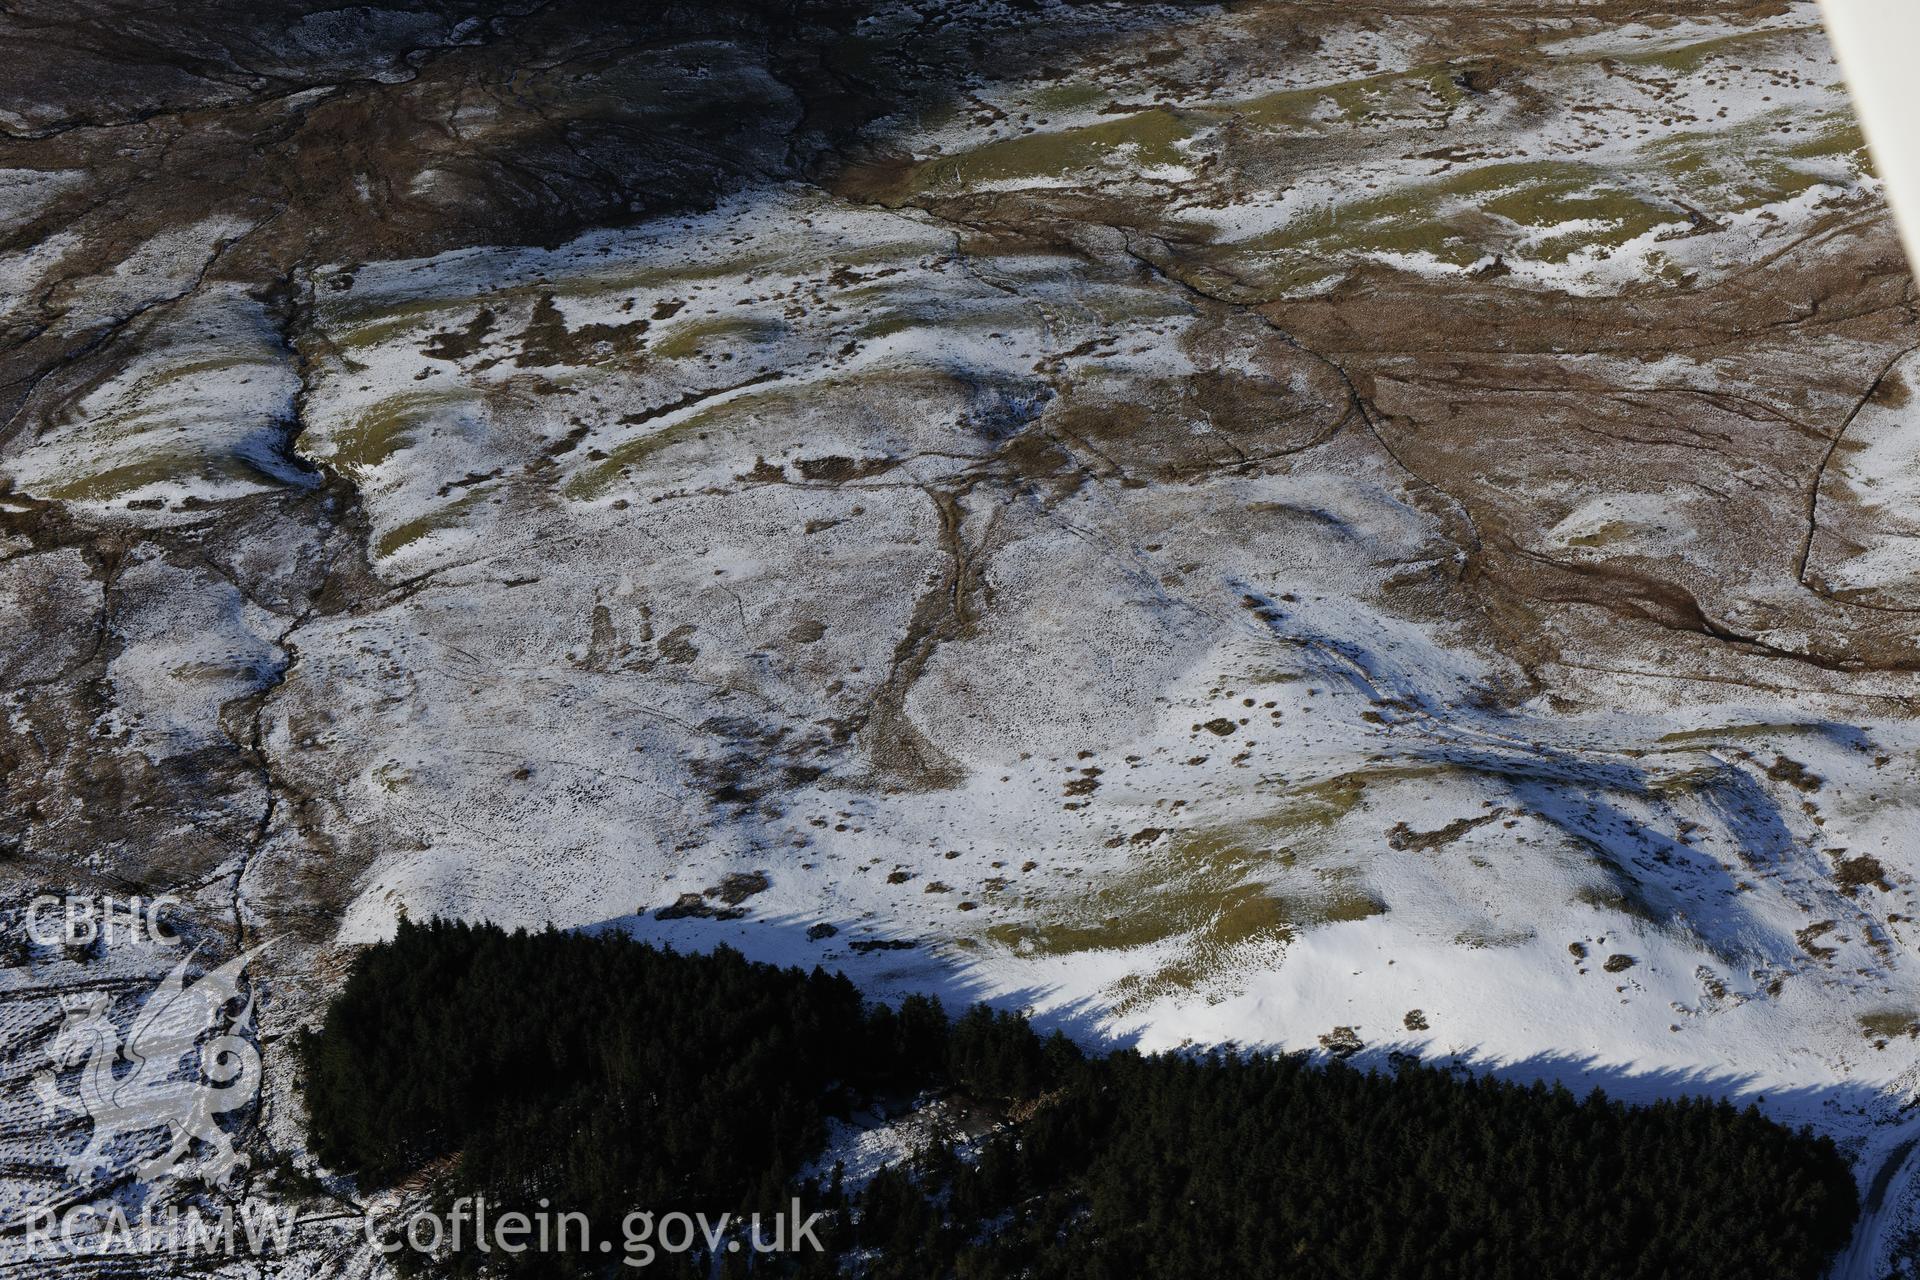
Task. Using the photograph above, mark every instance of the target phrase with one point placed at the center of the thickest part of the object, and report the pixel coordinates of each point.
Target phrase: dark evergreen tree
(603, 1075)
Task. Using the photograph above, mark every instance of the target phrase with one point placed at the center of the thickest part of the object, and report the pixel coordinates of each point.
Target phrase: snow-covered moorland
(1359, 533)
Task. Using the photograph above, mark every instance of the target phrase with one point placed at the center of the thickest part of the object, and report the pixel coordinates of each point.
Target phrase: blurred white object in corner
(1879, 46)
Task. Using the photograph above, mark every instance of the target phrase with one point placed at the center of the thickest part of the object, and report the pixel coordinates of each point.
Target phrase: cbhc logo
(77, 921)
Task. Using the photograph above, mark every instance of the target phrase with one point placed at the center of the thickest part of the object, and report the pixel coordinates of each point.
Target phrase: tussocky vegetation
(603, 1074)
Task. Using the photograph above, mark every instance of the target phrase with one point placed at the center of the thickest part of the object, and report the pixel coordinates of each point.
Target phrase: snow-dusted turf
(666, 517)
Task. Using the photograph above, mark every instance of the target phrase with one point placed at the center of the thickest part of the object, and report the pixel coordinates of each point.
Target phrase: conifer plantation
(606, 1075)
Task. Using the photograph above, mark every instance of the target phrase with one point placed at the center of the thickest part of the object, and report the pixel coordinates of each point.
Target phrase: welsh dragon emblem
(168, 1074)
